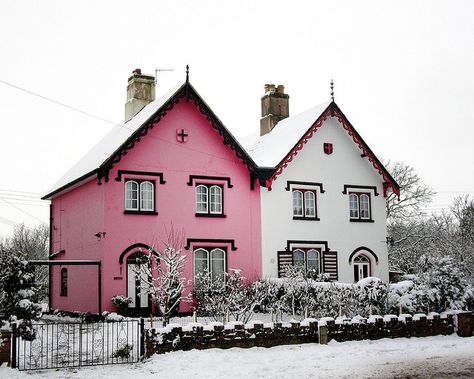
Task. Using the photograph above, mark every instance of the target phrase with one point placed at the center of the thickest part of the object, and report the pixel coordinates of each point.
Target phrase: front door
(137, 282)
(361, 267)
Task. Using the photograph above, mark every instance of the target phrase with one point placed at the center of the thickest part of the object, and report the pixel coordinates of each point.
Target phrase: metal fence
(60, 345)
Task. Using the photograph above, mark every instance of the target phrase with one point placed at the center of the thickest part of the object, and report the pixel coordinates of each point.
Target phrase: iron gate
(60, 345)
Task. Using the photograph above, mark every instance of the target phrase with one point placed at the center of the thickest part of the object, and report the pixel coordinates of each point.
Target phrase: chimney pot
(140, 92)
(275, 107)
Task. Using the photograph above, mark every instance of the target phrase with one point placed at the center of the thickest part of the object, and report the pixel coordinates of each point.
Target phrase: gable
(265, 151)
(123, 138)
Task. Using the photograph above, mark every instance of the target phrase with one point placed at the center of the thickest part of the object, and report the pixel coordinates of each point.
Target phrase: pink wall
(77, 216)
(101, 208)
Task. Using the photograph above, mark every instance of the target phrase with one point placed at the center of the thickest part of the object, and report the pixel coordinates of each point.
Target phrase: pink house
(172, 164)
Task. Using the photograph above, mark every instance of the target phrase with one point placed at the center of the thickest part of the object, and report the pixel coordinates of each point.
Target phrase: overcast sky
(403, 73)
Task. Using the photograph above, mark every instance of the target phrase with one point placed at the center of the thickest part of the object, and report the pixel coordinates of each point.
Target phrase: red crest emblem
(328, 149)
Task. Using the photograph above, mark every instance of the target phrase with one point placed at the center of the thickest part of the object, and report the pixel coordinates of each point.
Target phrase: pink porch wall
(77, 216)
(203, 154)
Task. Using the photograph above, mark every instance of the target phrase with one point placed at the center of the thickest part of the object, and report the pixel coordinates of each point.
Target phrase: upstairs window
(304, 204)
(209, 200)
(359, 207)
(140, 196)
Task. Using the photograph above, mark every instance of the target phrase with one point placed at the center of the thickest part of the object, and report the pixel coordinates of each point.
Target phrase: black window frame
(139, 211)
(304, 217)
(359, 218)
(208, 213)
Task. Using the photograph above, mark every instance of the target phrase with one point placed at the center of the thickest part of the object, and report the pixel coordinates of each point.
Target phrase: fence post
(323, 335)
(80, 344)
(142, 338)
(14, 346)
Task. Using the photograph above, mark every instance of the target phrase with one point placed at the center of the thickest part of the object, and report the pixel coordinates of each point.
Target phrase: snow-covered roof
(269, 149)
(119, 133)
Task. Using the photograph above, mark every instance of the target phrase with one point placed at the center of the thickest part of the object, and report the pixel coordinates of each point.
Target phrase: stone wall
(216, 335)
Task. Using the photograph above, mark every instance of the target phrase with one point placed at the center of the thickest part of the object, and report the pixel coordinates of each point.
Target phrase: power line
(21, 210)
(61, 104)
(17, 191)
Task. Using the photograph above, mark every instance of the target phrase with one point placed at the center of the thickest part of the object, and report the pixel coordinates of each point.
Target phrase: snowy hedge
(299, 295)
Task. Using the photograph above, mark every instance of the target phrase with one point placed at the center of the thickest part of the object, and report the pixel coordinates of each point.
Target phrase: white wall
(344, 166)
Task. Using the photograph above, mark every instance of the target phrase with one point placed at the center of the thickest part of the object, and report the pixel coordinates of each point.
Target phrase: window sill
(305, 218)
(140, 212)
(64, 295)
(360, 220)
(210, 215)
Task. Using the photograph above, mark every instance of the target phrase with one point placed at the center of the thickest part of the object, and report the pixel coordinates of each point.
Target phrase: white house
(324, 202)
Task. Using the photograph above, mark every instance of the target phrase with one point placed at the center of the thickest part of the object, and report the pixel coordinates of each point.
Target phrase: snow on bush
(18, 292)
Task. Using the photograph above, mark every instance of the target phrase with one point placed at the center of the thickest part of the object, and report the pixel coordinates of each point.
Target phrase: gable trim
(334, 111)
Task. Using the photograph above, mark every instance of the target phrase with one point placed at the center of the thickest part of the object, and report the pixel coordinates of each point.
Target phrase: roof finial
(332, 90)
(187, 83)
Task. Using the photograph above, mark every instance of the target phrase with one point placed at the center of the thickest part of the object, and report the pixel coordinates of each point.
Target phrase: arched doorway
(137, 279)
(361, 267)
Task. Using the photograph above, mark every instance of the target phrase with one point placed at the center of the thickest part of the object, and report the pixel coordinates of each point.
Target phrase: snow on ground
(429, 357)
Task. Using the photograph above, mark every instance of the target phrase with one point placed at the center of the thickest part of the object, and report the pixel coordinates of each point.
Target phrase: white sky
(403, 73)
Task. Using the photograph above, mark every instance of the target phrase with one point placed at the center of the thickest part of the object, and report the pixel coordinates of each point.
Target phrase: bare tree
(414, 195)
(162, 273)
(33, 244)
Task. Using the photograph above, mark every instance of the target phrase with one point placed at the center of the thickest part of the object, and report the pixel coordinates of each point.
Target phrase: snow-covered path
(429, 357)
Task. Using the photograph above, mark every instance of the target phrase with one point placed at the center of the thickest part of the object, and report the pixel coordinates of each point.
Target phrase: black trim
(62, 188)
(135, 246)
(189, 241)
(186, 91)
(314, 184)
(300, 218)
(139, 173)
(361, 220)
(358, 187)
(215, 215)
(206, 177)
(50, 277)
(127, 212)
(365, 249)
(306, 242)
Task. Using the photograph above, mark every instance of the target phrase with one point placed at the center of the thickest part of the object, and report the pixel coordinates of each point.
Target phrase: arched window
(146, 196)
(209, 260)
(201, 199)
(298, 258)
(364, 206)
(63, 282)
(353, 206)
(218, 264)
(313, 260)
(361, 267)
(309, 204)
(215, 193)
(201, 262)
(297, 203)
(131, 195)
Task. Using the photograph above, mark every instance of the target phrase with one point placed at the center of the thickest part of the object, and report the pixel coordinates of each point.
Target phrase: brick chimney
(140, 92)
(275, 107)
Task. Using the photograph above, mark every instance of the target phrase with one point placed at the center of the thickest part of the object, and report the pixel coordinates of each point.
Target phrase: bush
(122, 303)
